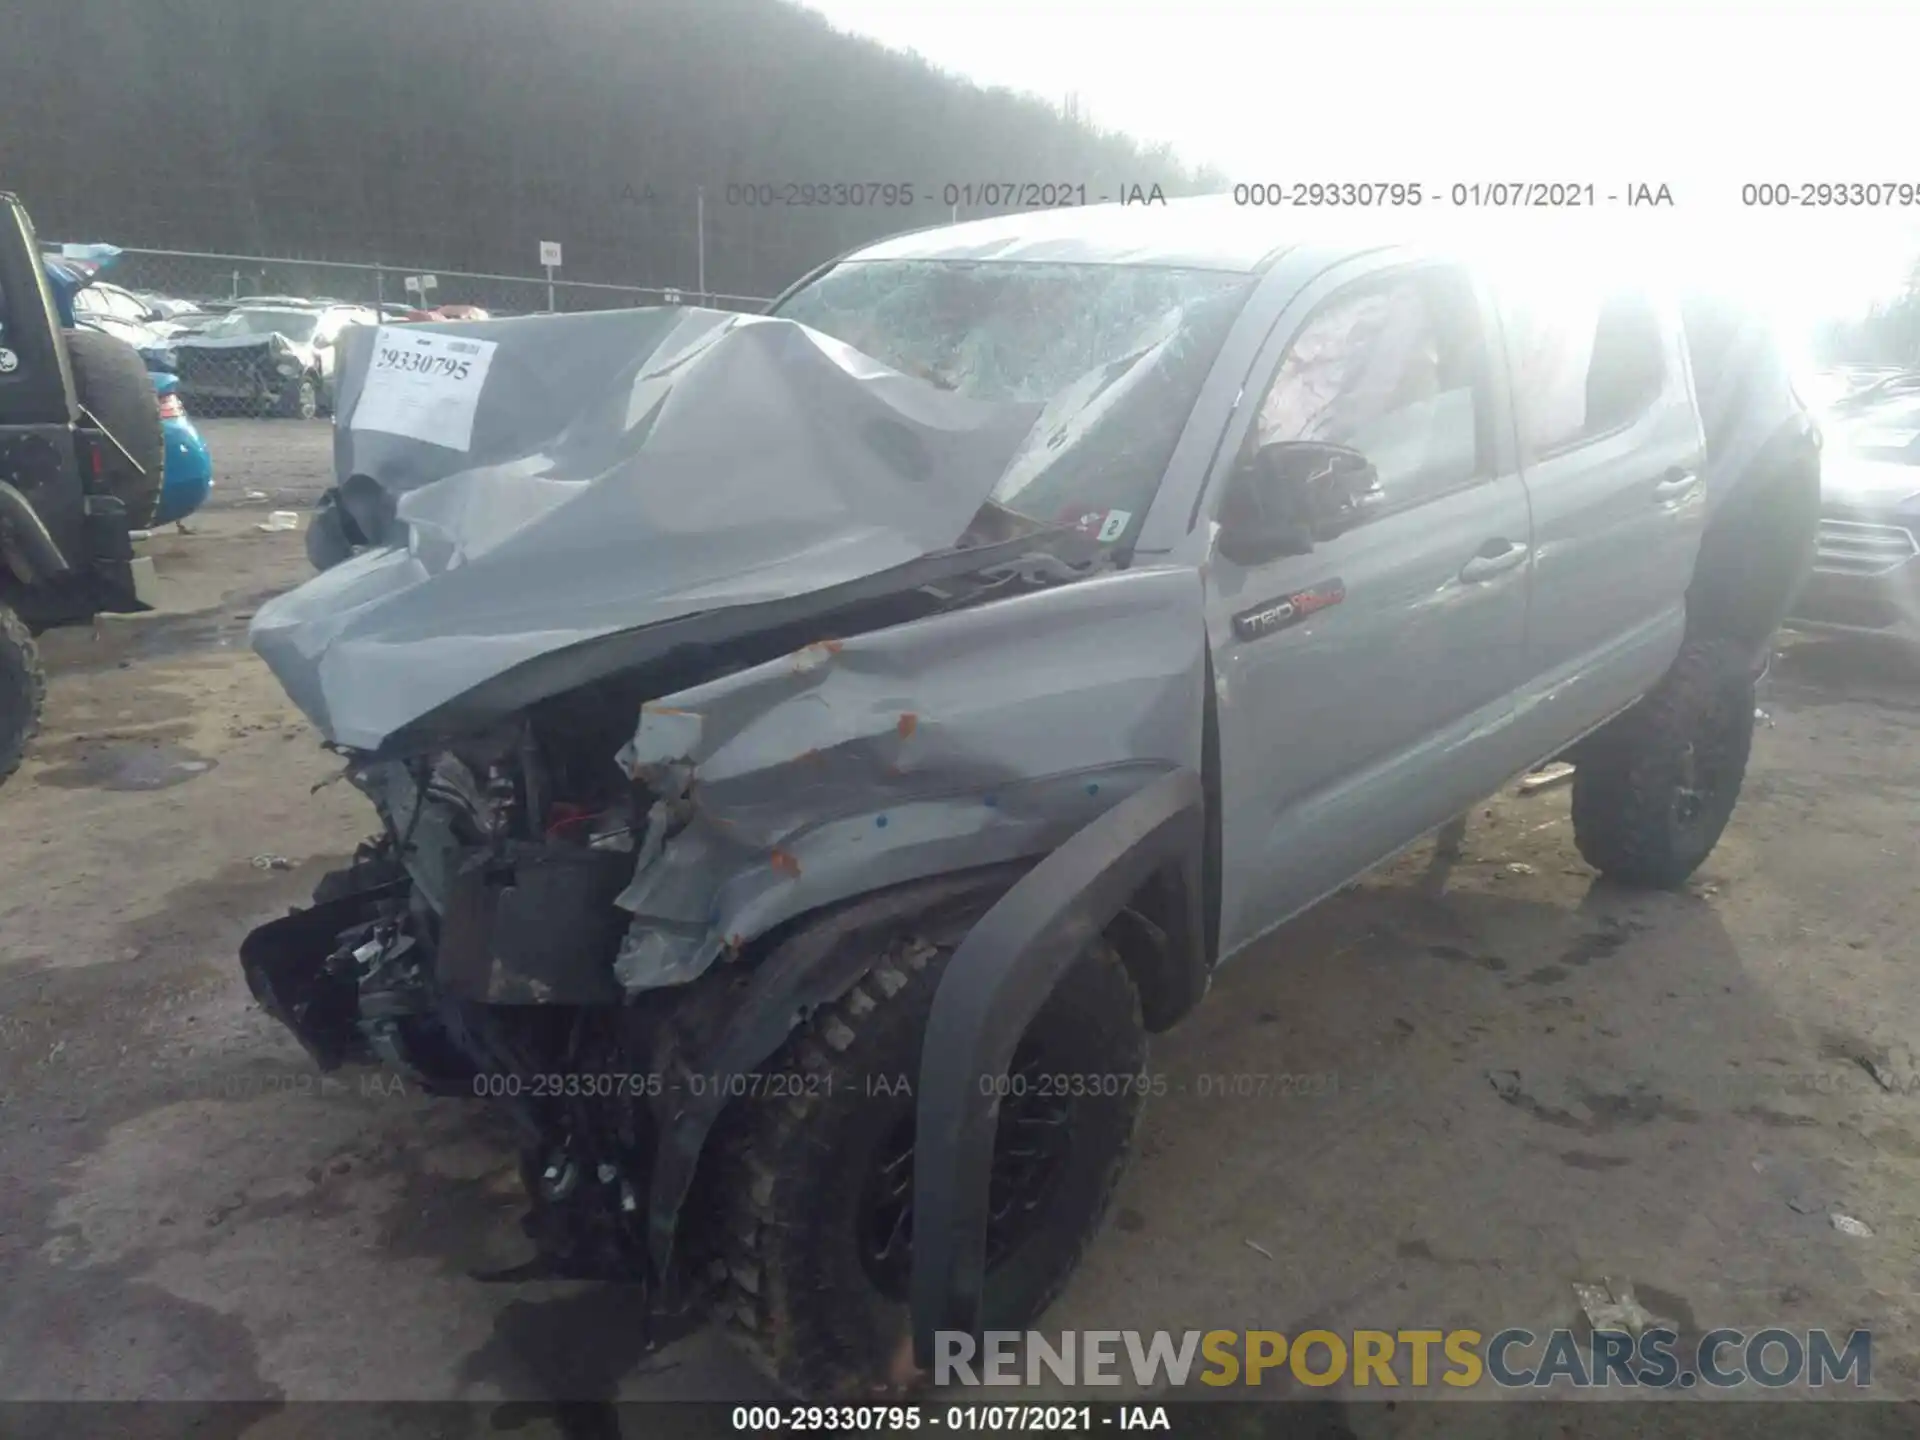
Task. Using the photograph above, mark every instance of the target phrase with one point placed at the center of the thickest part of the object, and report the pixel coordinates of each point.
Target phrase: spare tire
(114, 386)
(23, 690)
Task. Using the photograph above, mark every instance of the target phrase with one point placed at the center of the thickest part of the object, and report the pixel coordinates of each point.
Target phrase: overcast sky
(1703, 96)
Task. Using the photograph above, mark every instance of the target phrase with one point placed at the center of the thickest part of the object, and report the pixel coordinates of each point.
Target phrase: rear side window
(1585, 363)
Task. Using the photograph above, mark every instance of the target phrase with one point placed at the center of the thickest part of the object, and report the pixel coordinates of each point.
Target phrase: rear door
(1611, 449)
(1362, 690)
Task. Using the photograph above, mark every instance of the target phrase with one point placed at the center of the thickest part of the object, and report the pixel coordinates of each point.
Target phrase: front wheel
(23, 690)
(1653, 791)
(816, 1197)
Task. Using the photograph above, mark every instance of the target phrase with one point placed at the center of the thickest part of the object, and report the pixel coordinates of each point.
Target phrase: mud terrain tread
(23, 690)
(755, 1319)
(1623, 787)
(752, 1323)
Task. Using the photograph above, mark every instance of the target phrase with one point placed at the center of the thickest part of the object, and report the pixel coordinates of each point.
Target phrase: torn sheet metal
(624, 468)
(963, 739)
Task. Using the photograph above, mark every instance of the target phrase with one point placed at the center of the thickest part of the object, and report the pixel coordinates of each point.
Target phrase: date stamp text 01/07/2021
(1483, 194)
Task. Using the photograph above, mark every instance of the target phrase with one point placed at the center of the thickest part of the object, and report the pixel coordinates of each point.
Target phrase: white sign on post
(412, 282)
(423, 385)
(429, 282)
(550, 253)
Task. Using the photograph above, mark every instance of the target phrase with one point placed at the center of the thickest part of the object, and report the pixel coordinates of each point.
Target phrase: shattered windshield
(1115, 353)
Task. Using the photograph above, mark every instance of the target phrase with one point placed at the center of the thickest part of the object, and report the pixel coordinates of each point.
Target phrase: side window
(1585, 363)
(1395, 370)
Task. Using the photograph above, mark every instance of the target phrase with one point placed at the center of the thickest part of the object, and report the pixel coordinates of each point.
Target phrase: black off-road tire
(300, 400)
(800, 1296)
(1654, 791)
(23, 690)
(113, 384)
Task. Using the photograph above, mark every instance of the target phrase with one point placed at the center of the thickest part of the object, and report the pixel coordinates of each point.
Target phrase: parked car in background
(1866, 567)
(168, 307)
(155, 354)
(274, 358)
(107, 302)
(187, 477)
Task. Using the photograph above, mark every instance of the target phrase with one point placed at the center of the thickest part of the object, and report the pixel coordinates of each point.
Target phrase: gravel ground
(1524, 1078)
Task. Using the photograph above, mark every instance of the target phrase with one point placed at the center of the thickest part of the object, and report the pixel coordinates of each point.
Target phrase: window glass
(1585, 362)
(1393, 371)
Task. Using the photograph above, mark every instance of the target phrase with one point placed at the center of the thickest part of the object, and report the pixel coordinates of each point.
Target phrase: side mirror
(1289, 495)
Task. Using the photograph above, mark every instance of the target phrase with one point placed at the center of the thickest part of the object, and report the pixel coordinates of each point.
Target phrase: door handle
(1484, 566)
(1675, 484)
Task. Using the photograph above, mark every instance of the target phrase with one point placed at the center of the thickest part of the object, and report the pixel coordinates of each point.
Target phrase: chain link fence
(184, 318)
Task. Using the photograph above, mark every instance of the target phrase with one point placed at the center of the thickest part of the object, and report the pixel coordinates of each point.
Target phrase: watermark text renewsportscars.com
(1509, 1359)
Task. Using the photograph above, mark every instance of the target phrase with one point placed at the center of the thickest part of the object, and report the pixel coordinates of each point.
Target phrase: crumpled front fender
(969, 738)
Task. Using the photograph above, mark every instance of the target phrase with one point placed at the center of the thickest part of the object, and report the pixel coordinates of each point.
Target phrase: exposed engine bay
(474, 946)
(623, 777)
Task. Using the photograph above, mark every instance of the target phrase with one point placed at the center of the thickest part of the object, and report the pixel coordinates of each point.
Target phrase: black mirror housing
(1287, 496)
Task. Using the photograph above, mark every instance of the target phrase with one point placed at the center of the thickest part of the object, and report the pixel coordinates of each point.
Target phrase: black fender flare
(994, 985)
(809, 968)
(22, 527)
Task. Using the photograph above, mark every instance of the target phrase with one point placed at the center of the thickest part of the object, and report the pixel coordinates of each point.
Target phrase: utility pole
(700, 237)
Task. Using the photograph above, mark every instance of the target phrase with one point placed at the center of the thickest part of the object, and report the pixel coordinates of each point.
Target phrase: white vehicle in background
(266, 358)
(133, 319)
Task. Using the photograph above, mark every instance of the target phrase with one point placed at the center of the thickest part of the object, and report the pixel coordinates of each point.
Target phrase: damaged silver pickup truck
(815, 750)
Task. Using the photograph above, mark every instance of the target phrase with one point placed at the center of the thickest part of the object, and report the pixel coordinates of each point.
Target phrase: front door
(1362, 689)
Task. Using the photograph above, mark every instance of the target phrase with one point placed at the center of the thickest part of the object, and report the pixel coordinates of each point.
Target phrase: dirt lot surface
(1506, 1077)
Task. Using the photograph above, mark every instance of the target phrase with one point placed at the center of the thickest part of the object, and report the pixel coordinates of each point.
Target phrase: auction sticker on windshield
(423, 385)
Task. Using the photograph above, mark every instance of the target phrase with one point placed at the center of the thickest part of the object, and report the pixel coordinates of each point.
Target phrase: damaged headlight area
(470, 948)
(684, 682)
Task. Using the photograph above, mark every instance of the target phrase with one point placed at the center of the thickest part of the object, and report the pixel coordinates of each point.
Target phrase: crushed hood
(272, 340)
(553, 480)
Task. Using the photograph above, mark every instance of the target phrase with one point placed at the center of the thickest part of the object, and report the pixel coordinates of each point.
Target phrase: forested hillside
(460, 133)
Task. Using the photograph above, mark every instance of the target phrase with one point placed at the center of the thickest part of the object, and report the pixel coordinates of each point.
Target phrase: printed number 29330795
(421, 362)
(423, 385)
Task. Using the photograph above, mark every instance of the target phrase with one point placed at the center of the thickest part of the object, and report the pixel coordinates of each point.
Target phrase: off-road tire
(1631, 782)
(798, 1297)
(300, 400)
(23, 690)
(114, 385)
